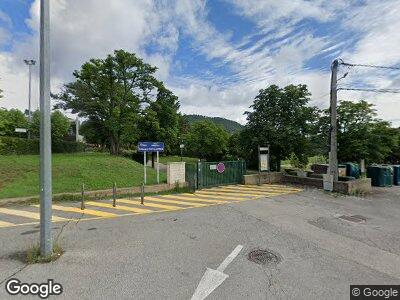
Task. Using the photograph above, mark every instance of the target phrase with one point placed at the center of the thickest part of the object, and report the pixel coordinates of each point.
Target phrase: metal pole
(29, 101)
(83, 197)
(333, 161)
(142, 194)
(46, 243)
(158, 167)
(145, 162)
(114, 194)
(259, 166)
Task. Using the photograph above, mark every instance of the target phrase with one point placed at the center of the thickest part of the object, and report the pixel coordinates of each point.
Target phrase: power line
(370, 66)
(392, 91)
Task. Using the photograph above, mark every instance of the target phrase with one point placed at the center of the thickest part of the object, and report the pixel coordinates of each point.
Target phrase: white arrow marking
(214, 278)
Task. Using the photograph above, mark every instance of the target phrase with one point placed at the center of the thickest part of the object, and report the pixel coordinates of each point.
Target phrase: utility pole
(333, 161)
(46, 243)
(30, 63)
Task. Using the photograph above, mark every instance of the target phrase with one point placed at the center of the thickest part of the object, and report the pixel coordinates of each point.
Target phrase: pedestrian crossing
(62, 212)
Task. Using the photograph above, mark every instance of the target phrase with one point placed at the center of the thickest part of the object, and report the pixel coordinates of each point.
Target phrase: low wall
(271, 177)
(362, 185)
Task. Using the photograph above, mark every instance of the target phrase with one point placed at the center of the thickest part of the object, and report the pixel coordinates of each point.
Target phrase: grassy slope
(166, 159)
(19, 175)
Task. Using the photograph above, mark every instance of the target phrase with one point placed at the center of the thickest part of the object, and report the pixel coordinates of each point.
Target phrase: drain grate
(354, 218)
(264, 257)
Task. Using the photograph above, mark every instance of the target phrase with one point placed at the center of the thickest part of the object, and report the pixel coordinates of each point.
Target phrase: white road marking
(214, 278)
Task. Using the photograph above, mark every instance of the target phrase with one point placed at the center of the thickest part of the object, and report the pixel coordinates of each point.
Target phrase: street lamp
(30, 63)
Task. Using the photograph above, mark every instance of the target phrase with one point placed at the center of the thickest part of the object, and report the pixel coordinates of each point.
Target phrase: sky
(217, 54)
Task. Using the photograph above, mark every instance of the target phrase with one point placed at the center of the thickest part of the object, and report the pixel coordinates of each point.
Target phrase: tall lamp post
(30, 63)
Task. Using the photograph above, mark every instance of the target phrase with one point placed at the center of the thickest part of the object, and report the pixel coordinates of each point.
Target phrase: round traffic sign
(220, 167)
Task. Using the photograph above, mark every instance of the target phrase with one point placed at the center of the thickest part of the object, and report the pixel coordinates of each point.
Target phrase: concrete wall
(362, 185)
(175, 172)
(271, 177)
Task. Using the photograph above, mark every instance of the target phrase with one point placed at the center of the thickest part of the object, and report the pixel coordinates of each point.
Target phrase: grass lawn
(166, 159)
(19, 174)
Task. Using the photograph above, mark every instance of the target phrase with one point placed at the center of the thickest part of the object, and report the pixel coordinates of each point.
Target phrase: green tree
(160, 121)
(363, 136)
(280, 118)
(60, 124)
(111, 92)
(11, 119)
(207, 140)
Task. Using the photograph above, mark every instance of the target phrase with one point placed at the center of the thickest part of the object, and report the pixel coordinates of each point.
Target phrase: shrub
(19, 146)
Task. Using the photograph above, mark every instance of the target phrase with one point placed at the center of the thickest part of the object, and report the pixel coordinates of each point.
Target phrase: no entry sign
(220, 167)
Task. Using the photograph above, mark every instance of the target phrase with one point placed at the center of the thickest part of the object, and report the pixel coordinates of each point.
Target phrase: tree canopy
(60, 124)
(112, 94)
(363, 136)
(207, 140)
(280, 118)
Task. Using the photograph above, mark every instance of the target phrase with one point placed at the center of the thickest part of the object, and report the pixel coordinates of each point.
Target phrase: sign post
(263, 161)
(151, 147)
(158, 167)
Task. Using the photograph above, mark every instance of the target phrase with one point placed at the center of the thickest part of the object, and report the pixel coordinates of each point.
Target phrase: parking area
(315, 245)
(29, 215)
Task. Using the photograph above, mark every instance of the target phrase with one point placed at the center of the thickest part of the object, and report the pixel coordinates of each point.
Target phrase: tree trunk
(114, 146)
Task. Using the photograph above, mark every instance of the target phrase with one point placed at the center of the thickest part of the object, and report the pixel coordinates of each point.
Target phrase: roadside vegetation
(19, 174)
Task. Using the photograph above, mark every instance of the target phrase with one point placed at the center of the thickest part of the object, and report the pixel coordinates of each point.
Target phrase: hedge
(14, 145)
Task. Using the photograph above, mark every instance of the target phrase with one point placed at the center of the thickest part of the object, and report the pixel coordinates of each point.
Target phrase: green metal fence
(220, 173)
(205, 174)
(191, 175)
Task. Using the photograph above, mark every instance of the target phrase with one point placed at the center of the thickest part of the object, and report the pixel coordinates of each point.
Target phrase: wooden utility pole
(333, 160)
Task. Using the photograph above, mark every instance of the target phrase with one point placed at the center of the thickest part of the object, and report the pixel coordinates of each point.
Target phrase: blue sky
(215, 55)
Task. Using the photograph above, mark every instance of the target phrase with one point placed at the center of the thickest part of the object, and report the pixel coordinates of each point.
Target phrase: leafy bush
(299, 162)
(19, 146)
(318, 159)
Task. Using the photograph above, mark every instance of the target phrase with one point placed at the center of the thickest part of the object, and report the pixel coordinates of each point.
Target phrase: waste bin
(353, 170)
(396, 175)
(380, 175)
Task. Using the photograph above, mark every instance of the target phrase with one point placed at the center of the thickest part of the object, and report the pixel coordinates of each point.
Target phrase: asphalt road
(164, 255)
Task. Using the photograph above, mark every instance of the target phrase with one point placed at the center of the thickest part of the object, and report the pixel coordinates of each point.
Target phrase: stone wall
(362, 185)
(175, 172)
(270, 177)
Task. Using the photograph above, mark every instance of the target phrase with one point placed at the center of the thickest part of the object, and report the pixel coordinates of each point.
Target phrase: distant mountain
(229, 125)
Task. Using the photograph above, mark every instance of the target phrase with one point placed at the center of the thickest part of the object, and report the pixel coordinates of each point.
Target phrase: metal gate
(206, 174)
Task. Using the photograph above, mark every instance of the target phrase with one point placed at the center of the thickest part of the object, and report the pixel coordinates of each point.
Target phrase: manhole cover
(264, 257)
(354, 218)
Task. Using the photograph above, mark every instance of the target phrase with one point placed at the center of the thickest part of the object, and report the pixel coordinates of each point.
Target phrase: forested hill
(229, 125)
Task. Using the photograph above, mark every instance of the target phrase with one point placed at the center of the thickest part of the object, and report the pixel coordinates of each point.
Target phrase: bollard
(83, 197)
(114, 194)
(142, 194)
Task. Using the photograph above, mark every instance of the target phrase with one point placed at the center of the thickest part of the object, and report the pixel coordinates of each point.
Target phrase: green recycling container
(396, 175)
(353, 170)
(380, 176)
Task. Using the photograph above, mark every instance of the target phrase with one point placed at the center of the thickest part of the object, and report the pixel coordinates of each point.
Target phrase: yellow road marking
(86, 211)
(214, 195)
(6, 224)
(233, 194)
(253, 192)
(27, 214)
(267, 187)
(190, 197)
(120, 207)
(162, 200)
(163, 206)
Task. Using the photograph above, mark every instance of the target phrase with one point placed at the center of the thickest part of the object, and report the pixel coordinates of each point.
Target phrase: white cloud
(276, 52)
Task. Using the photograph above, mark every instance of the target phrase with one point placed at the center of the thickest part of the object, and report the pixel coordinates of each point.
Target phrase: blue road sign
(151, 147)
